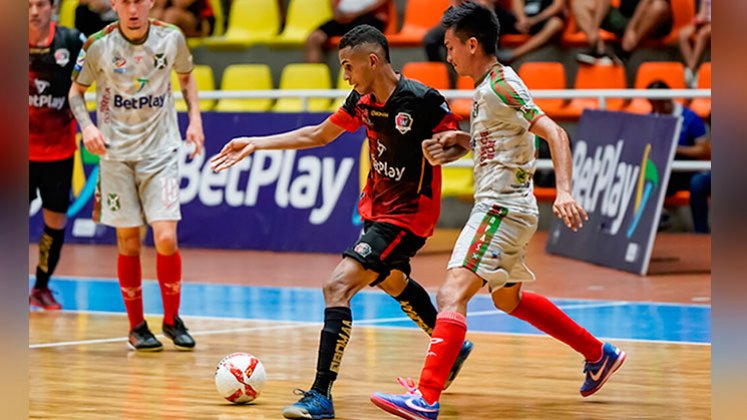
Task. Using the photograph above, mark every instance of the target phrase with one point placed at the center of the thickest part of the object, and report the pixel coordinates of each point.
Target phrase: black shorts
(333, 28)
(53, 180)
(384, 247)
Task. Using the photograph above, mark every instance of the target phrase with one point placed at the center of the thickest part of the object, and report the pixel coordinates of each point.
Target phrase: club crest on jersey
(160, 61)
(119, 65)
(403, 122)
(363, 249)
(62, 56)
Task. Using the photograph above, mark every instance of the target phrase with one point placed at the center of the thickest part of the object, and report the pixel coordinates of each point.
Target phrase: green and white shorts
(493, 244)
(134, 193)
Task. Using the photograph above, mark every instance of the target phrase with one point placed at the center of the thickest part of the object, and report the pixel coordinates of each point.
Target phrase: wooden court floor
(507, 376)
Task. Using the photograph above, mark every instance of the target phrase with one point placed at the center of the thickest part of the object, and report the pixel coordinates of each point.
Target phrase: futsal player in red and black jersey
(399, 205)
(52, 53)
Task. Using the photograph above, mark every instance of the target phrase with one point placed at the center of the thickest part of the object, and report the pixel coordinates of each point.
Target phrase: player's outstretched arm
(303, 138)
(446, 146)
(195, 134)
(93, 139)
(565, 207)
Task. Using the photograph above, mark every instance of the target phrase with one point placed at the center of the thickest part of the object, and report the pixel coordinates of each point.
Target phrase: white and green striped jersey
(504, 151)
(135, 106)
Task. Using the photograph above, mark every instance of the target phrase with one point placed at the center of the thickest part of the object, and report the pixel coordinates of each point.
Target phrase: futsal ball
(240, 377)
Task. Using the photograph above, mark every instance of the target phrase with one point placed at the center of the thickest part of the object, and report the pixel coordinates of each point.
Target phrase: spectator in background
(542, 19)
(92, 15)
(632, 22)
(434, 39)
(694, 39)
(693, 144)
(194, 17)
(347, 14)
(700, 192)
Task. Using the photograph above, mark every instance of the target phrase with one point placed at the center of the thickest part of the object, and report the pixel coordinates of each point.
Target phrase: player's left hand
(433, 151)
(567, 209)
(195, 136)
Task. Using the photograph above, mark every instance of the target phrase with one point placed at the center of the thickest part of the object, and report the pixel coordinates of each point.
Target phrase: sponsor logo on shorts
(112, 201)
(363, 249)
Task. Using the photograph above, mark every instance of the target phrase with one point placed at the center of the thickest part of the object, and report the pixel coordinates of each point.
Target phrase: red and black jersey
(51, 124)
(402, 187)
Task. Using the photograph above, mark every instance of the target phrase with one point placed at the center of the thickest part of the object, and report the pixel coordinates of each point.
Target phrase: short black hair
(365, 34)
(469, 20)
(658, 84)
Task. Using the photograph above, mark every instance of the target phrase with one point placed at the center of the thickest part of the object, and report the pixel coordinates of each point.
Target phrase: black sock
(338, 325)
(50, 245)
(416, 303)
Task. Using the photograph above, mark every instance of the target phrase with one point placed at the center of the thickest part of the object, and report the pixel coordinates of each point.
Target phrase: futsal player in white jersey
(490, 249)
(138, 140)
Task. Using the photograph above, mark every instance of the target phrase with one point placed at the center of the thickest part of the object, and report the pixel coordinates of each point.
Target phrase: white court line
(301, 324)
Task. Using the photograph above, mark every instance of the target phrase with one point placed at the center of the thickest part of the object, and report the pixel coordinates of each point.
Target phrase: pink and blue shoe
(598, 373)
(410, 405)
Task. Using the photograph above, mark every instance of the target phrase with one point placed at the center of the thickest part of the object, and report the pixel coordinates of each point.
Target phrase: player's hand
(233, 152)
(567, 209)
(447, 138)
(433, 150)
(94, 140)
(195, 136)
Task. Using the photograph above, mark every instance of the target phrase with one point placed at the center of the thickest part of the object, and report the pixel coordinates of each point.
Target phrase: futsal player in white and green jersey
(138, 140)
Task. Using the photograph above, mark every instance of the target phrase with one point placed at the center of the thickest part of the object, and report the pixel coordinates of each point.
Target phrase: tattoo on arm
(78, 107)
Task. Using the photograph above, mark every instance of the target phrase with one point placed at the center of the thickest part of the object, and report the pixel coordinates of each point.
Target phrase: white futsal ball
(240, 377)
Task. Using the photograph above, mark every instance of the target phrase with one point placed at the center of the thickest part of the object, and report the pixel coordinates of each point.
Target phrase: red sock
(169, 272)
(543, 314)
(131, 286)
(446, 341)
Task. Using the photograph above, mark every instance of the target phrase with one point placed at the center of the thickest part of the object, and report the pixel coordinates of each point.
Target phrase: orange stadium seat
(545, 75)
(595, 77)
(573, 36)
(702, 106)
(391, 26)
(683, 12)
(671, 72)
(429, 73)
(463, 107)
(420, 17)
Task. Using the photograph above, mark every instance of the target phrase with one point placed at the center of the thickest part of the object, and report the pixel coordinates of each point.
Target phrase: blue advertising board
(290, 200)
(621, 167)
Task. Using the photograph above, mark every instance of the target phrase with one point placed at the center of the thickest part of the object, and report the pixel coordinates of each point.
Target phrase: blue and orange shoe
(410, 406)
(598, 373)
(457, 366)
(312, 405)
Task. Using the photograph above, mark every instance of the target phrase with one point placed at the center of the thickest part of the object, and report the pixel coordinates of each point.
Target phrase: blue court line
(647, 321)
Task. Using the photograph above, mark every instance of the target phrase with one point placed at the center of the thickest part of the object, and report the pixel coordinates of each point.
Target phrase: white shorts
(493, 243)
(135, 193)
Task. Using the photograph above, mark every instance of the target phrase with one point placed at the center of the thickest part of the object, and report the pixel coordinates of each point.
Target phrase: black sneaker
(179, 335)
(589, 56)
(142, 339)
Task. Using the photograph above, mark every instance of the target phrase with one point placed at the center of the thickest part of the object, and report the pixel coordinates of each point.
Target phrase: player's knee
(165, 241)
(506, 299)
(450, 296)
(128, 244)
(338, 290)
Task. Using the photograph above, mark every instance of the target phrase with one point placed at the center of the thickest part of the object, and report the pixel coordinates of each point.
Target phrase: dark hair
(658, 84)
(473, 20)
(365, 34)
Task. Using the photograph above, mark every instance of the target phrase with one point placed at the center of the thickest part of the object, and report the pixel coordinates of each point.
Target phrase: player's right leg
(347, 279)
(421, 402)
(120, 208)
